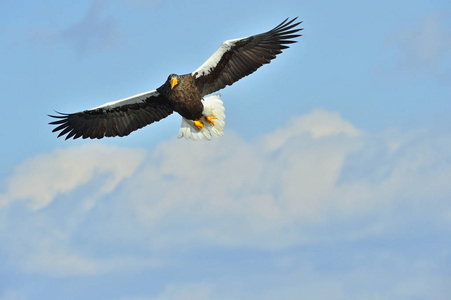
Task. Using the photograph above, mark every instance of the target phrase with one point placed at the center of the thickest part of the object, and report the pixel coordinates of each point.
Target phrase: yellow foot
(210, 120)
(199, 124)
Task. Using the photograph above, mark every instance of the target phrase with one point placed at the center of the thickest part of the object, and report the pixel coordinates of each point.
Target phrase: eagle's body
(184, 97)
(203, 117)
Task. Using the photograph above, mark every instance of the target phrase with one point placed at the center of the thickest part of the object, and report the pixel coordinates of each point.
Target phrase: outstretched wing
(117, 118)
(241, 57)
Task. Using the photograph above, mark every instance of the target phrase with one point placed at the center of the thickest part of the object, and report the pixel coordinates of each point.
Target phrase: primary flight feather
(202, 117)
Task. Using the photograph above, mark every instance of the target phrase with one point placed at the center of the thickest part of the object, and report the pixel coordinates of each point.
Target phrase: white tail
(213, 107)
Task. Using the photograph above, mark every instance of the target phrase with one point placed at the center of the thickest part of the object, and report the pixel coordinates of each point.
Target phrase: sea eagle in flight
(202, 117)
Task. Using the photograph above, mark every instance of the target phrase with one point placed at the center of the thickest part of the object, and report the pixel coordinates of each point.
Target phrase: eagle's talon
(199, 124)
(210, 120)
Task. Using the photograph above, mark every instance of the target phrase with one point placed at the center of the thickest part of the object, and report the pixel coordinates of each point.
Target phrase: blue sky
(331, 182)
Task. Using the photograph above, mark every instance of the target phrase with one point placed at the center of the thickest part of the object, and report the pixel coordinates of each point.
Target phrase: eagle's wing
(117, 118)
(238, 58)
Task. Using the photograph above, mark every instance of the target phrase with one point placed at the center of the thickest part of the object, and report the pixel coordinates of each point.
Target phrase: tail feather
(213, 107)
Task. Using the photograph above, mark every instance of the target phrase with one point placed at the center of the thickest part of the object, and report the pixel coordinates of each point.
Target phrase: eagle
(202, 115)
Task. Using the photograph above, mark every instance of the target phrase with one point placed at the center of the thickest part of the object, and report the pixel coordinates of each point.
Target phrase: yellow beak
(174, 82)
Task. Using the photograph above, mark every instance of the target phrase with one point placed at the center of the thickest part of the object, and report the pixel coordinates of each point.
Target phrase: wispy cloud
(424, 47)
(94, 31)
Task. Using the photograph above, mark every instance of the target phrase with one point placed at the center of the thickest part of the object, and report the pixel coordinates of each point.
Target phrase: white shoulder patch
(130, 100)
(213, 61)
(213, 107)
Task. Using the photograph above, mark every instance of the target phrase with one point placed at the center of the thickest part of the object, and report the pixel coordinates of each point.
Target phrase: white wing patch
(130, 100)
(213, 61)
(213, 107)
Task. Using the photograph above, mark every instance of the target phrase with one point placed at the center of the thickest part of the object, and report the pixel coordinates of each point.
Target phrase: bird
(202, 115)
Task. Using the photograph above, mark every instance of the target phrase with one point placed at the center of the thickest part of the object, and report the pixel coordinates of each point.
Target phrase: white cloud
(318, 124)
(263, 192)
(43, 177)
(289, 191)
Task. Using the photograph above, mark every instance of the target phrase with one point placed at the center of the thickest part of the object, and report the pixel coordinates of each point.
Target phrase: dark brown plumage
(184, 98)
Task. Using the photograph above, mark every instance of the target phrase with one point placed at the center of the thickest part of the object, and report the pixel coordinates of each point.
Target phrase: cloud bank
(318, 180)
